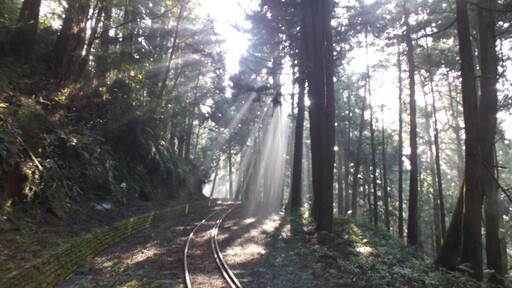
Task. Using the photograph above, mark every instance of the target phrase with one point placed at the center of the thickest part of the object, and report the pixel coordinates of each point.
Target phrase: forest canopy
(395, 112)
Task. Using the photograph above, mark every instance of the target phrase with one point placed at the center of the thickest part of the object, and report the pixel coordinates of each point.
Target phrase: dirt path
(262, 252)
(254, 247)
(273, 251)
(152, 258)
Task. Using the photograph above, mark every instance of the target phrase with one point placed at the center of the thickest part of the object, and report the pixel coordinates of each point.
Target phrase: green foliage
(114, 134)
(380, 260)
(105, 154)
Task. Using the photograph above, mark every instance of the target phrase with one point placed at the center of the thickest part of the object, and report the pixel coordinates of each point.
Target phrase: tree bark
(412, 223)
(128, 33)
(454, 109)
(374, 168)
(472, 226)
(102, 55)
(215, 176)
(339, 174)
(330, 118)
(180, 143)
(450, 251)
(84, 61)
(357, 162)
(435, 195)
(347, 152)
(442, 213)
(488, 109)
(68, 47)
(230, 171)
(191, 115)
(437, 221)
(24, 37)
(296, 192)
(318, 47)
(198, 136)
(385, 189)
(373, 146)
(420, 245)
(400, 146)
(367, 190)
(174, 48)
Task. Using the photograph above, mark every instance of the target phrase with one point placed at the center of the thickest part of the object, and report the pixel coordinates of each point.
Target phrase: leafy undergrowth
(361, 255)
(65, 151)
(358, 255)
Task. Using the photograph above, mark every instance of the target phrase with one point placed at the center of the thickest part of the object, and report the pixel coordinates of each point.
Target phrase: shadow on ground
(269, 251)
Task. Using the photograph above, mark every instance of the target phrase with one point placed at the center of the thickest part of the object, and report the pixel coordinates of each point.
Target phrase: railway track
(202, 269)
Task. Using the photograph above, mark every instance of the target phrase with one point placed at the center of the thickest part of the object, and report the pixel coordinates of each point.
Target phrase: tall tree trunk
(456, 128)
(306, 195)
(68, 47)
(347, 152)
(180, 143)
(488, 109)
(437, 157)
(412, 223)
(240, 179)
(464, 235)
(198, 137)
(438, 169)
(190, 119)
(420, 245)
(24, 37)
(173, 132)
(374, 168)
(339, 174)
(437, 227)
(387, 221)
(330, 118)
(472, 226)
(84, 61)
(267, 172)
(296, 193)
(102, 55)
(318, 47)
(367, 190)
(128, 33)
(503, 237)
(400, 146)
(253, 180)
(357, 161)
(230, 171)
(217, 162)
(452, 242)
(435, 195)
(174, 48)
(373, 146)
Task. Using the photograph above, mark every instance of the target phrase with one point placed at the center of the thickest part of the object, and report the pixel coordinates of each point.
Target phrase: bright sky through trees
(229, 17)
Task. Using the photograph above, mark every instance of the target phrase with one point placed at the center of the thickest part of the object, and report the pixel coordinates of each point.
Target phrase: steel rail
(221, 263)
(185, 252)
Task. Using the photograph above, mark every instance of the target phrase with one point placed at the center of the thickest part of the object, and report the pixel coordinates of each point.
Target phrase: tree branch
(438, 31)
(142, 17)
(503, 189)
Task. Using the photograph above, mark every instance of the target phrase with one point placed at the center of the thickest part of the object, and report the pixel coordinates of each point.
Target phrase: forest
(391, 113)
